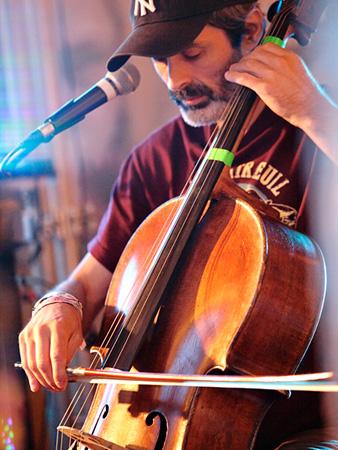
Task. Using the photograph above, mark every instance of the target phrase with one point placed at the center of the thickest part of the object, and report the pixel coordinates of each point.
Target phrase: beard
(211, 109)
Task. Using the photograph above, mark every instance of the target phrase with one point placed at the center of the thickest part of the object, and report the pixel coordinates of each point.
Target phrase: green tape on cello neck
(275, 40)
(219, 154)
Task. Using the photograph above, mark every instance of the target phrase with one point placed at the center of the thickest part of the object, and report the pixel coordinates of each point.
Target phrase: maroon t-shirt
(273, 162)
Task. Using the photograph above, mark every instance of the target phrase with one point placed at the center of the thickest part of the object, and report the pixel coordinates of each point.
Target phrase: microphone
(112, 85)
(122, 82)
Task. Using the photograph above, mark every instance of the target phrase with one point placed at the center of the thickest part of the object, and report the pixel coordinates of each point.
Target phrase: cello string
(211, 137)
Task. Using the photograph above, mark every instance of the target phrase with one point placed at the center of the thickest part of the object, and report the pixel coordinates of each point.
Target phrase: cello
(200, 301)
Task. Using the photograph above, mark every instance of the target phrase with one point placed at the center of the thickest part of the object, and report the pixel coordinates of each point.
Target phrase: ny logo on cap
(141, 7)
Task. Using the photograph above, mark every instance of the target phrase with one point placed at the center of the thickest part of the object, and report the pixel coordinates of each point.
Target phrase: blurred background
(51, 51)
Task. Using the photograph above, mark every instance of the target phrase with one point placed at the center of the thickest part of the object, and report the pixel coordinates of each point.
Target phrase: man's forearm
(88, 283)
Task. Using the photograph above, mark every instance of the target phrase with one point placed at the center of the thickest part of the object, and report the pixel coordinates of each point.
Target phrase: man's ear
(255, 27)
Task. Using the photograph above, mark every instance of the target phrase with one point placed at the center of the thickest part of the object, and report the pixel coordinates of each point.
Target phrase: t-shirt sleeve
(128, 206)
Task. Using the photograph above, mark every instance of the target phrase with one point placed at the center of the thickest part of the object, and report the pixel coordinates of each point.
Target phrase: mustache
(201, 90)
(191, 91)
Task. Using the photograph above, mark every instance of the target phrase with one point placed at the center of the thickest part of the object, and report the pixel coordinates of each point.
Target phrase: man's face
(195, 76)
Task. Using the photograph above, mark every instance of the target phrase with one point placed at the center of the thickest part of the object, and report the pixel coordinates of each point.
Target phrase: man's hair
(232, 20)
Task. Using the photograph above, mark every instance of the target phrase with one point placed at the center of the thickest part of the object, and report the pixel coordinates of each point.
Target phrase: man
(201, 50)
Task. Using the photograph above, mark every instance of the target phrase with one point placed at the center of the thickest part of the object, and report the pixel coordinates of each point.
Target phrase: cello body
(245, 298)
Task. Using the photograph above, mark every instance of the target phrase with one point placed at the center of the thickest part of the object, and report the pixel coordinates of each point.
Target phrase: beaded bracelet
(57, 297)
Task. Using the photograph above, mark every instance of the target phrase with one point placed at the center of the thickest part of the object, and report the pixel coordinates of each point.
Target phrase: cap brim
(158, 39)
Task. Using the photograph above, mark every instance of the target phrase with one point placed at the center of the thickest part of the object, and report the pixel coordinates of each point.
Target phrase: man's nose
(178, 73)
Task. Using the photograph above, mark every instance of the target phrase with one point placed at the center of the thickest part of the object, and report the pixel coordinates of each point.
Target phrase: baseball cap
(161, 28)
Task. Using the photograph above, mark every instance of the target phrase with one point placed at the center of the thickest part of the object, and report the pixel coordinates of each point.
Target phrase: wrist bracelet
(57, 297)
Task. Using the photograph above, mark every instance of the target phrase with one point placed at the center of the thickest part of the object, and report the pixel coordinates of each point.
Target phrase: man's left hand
(282, 80)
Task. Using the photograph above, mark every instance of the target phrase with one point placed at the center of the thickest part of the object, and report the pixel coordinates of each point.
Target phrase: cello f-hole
(162, 435)
(103, 414)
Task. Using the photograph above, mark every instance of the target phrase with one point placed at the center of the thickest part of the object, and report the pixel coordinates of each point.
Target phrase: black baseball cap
(161, 28)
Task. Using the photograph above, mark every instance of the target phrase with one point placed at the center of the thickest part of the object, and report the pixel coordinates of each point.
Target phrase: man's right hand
(52, 337)
(48, 343)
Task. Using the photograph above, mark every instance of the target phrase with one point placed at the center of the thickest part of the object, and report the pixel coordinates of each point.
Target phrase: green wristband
(222, 155)
(275, 40)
